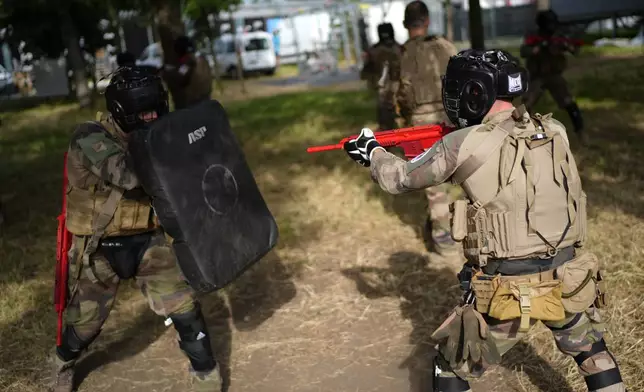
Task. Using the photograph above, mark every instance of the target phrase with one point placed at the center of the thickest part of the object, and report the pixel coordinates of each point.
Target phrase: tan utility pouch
(130, 215)
(527, 297)
(580, 282)
(484, 287)
(459, 220)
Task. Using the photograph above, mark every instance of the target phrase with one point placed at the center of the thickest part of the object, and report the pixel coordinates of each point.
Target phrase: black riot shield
(204, 194)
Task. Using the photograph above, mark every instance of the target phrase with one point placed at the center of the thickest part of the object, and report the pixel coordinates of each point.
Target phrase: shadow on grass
(427, 296)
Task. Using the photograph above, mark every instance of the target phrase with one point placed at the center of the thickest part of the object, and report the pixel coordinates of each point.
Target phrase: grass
(350, 283)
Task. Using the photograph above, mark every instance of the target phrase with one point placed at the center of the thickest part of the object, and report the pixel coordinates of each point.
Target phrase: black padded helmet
(385, 31)
(475, 79)
(133, 91)
(125, 59)
(547, 21)
(183, 45)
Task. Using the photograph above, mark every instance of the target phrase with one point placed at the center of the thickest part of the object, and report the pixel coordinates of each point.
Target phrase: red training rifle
(536, 39)
(63, 244)
(413, 140)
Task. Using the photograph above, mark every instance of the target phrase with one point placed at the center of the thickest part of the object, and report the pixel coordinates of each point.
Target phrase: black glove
(360, 149)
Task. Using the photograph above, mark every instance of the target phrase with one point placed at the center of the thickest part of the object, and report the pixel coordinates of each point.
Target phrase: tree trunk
(477, 39)
(74, 56)
(449, 20)
(169, 27)
(212, 35)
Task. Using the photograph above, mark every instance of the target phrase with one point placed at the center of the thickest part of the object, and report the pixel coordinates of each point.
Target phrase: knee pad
(72, 345)
(575, 116)
(604, 378)
(453, 383)
(194, 340)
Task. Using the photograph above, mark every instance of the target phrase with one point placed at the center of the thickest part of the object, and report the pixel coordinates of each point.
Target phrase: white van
(257, 53)
(152, 57)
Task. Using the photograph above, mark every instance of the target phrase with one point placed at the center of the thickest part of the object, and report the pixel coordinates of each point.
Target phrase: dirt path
(328, 314)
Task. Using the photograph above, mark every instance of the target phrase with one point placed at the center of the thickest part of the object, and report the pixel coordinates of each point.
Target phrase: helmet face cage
(132, 92)
(475, 79)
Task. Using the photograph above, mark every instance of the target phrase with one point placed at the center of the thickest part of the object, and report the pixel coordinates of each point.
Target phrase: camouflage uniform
(546, 68)
(193, 80)
(97, 160)
(578, 334)
(419, 96)
(384, 52)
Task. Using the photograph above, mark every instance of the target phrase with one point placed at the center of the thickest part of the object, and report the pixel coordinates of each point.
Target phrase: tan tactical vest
(425, 60)
(103, 205)
(524, 190)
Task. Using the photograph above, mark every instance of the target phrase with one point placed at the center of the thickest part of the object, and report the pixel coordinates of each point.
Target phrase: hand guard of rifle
(360, 149)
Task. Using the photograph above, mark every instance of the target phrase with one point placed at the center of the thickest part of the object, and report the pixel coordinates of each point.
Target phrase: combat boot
(206, 381)
(441, 241)
(62, 374)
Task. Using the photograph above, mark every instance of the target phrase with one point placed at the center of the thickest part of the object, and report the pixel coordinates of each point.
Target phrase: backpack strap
(484, 151)
(562, 176)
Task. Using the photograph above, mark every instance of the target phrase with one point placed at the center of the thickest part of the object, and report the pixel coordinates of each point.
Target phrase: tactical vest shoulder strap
(484, 151)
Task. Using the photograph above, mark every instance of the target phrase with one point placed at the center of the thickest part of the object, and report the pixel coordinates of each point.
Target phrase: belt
(528, 266)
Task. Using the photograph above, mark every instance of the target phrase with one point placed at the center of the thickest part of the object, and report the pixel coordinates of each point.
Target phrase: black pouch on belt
(125, 253)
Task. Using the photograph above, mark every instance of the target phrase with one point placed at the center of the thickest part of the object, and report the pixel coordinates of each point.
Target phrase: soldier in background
(545, 56)
(424, 59)
(381, 70)
(192, 77)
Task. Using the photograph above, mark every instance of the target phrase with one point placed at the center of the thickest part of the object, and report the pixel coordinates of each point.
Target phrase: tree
(477, 38)
(449, 19)
(50, 28)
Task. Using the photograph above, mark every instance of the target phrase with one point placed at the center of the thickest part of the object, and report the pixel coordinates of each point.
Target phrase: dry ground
(348, 298)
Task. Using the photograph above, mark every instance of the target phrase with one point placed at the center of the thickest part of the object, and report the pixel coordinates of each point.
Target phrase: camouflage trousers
(555, 84)
(576, 334)
(441, 196)
(158, 277)
(386, 107)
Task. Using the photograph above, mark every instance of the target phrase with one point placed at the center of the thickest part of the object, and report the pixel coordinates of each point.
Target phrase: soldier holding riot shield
(117, 236)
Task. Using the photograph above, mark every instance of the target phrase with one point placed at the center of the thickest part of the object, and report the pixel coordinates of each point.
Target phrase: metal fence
(502, 22)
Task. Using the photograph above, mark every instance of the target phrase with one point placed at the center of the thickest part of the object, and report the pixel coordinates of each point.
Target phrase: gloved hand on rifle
(360, 149)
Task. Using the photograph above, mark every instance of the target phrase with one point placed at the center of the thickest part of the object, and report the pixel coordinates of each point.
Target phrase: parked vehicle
(7, 84)
(257, 53)
(152, 57)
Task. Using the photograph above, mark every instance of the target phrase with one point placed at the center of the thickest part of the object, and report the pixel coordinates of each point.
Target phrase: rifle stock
(63, 244)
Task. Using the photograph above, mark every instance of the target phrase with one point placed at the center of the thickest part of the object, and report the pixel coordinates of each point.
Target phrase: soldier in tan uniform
(381, 71)
(192, 77)
(521, 226)
(116, 235)
(424, 59)
(545, 55)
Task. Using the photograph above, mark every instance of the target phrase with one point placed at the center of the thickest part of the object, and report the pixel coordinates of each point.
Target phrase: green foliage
(37, 23)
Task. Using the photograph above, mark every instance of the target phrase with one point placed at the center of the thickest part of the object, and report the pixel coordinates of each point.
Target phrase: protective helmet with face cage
(131, 92)
(475, 79)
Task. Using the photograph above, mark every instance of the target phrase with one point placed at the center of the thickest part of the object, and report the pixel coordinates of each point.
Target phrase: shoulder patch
(97, 147)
